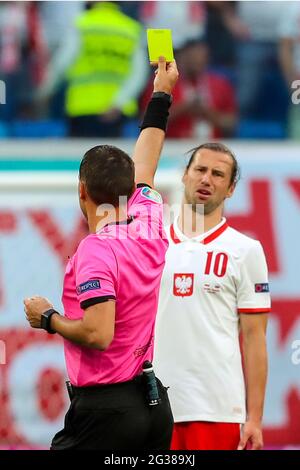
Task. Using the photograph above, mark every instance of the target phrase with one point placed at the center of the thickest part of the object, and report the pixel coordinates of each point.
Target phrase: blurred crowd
(81, 69)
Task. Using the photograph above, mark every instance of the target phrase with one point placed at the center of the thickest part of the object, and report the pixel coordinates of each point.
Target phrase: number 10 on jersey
(216, 263)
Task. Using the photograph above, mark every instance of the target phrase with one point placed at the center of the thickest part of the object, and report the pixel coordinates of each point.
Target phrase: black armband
(157, 111)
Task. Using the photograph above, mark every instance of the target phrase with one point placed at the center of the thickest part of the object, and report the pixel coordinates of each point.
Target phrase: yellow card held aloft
(160, 44)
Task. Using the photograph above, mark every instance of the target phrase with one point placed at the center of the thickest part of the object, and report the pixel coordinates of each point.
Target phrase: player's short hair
(221, 148)
(108, 173)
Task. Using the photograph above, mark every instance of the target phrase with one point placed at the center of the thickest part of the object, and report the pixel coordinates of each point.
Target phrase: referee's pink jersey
(124, 262)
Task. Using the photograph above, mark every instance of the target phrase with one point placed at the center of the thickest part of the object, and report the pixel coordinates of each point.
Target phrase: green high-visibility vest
(108, 41)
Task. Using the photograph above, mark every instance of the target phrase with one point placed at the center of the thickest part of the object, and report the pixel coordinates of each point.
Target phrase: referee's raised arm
(149, 144)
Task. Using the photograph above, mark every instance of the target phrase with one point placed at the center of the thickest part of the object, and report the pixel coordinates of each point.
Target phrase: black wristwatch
(163, 95)
(46, 320)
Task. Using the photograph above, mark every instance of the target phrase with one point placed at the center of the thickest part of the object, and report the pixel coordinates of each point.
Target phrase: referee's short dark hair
(108, 173)
(221, 148)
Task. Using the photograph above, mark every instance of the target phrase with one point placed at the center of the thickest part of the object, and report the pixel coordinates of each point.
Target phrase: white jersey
(207, 282)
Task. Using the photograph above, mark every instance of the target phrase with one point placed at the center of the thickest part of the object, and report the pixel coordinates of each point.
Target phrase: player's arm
(253, 329)
(254, 303)
(94, 330)
(150, 142)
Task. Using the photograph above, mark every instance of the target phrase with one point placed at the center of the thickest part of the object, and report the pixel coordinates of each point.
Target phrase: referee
(110, 294)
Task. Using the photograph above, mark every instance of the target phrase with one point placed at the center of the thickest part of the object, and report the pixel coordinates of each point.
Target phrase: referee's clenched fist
(34, 308)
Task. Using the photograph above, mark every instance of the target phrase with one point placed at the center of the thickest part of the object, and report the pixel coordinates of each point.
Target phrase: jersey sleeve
(96, 272)
(145, 195)
(146, 206)
(145, 200)
(253, 294)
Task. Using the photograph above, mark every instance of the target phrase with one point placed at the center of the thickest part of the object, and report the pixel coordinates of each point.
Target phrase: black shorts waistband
(98, 387)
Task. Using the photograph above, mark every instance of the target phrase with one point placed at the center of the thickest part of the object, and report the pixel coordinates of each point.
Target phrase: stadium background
(41, 225)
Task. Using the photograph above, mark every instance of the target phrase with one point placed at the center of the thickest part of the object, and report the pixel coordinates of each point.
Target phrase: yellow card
(160, 44)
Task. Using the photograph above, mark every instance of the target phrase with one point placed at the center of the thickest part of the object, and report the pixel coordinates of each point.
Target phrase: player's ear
(230, 190)
(184, 177)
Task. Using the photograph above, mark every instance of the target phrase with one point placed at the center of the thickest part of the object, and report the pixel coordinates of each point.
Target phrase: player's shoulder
(241, 241)
(241, 237)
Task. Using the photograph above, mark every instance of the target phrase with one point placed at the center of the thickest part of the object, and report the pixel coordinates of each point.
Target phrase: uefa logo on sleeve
(262, 287)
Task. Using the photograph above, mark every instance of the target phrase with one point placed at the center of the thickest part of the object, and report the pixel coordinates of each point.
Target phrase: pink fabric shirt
(123, 262)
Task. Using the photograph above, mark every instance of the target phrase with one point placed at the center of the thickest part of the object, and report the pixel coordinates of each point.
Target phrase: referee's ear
(82, 190)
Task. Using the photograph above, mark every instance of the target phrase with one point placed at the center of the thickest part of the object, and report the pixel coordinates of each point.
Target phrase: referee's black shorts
(116, 417)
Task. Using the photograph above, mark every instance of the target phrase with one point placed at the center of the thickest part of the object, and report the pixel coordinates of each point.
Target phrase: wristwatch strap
(46, 320)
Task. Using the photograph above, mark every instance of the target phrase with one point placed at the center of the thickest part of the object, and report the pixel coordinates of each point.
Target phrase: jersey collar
(110, 225)
(177, 236)
(121, 222)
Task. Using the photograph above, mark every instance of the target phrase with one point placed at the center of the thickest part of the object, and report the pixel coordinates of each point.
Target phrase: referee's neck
(99, 216)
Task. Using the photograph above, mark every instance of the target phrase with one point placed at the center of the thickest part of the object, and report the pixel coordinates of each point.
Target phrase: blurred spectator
(186, 19)
(99, 53)
(131, 8)
(289, 55)
(203, 102)
(220, 39)
(60, 36)
(108, 73)
(255, 26)
(23, 56)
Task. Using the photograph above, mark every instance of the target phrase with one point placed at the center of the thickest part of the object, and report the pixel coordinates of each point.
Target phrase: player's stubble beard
(203, 208)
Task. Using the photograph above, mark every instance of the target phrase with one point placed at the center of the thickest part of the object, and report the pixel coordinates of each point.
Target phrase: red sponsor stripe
(173, 235)
(215, 234)
(254, 310)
